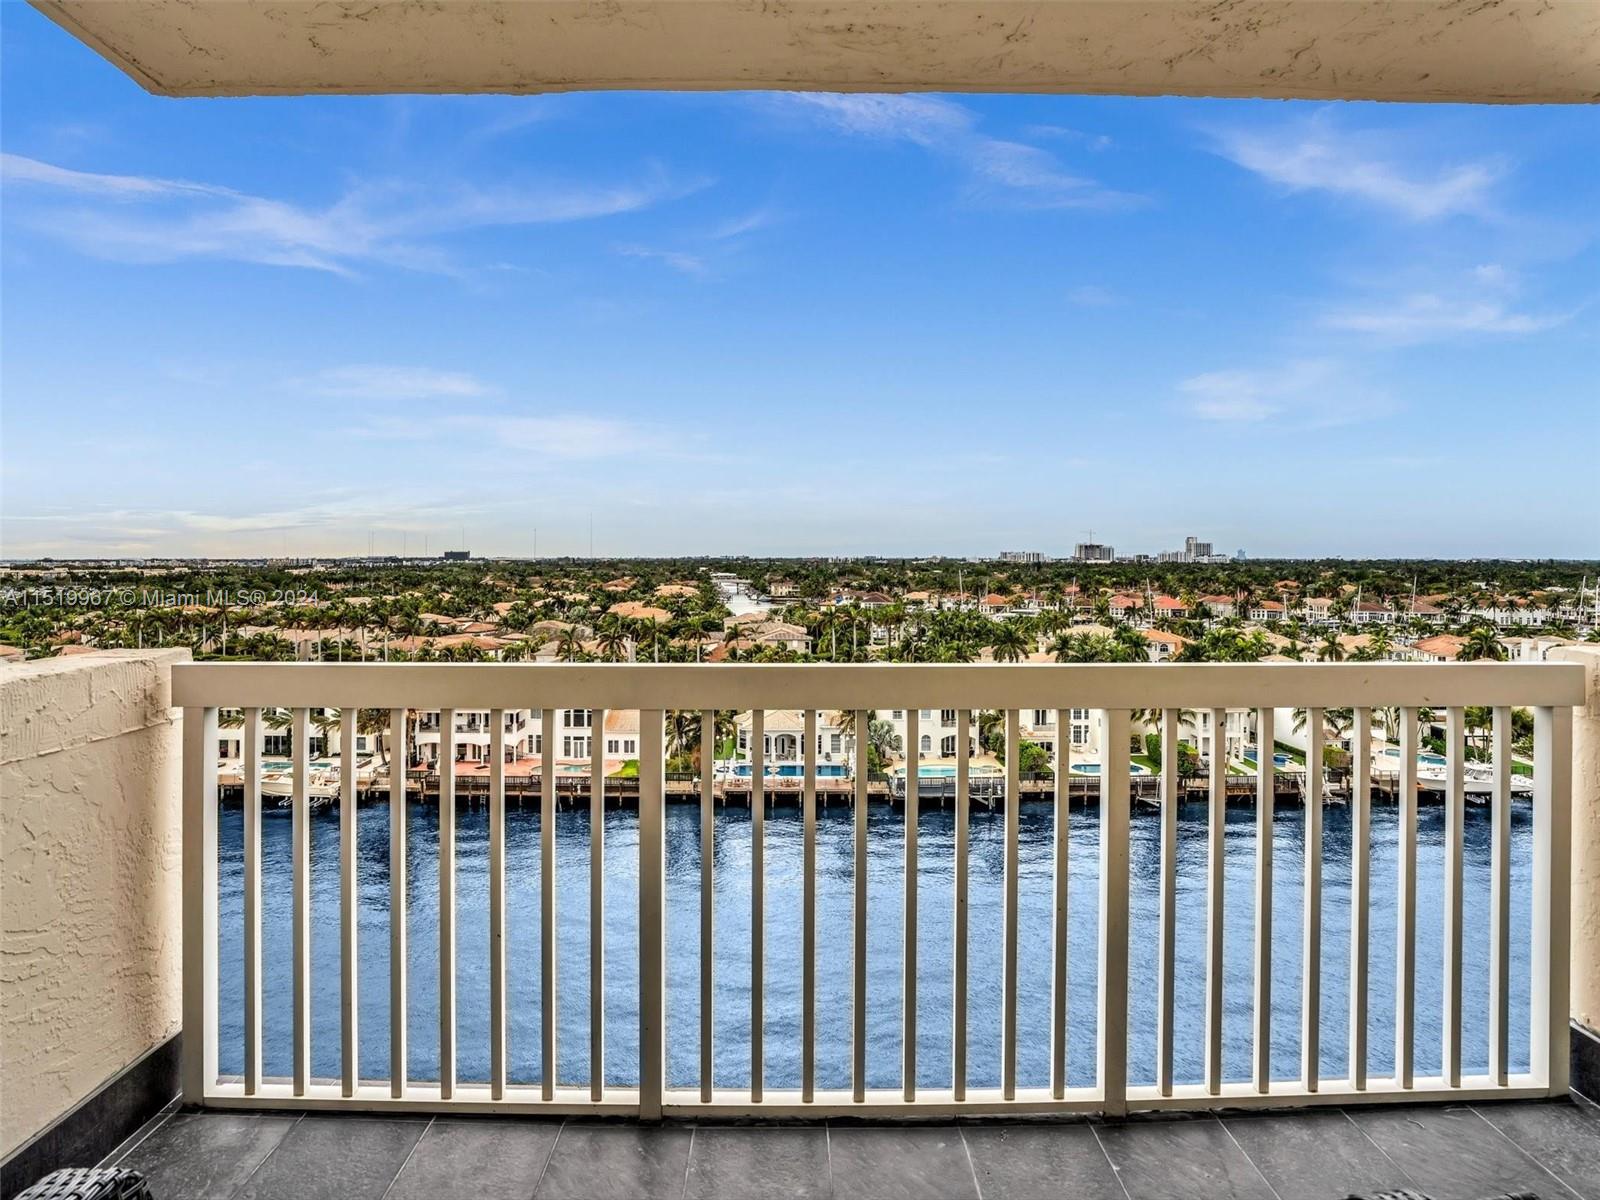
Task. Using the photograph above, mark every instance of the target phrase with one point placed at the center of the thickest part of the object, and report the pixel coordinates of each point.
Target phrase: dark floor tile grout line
(688, 1161)
(1116, 1172)
(409, 1155)
(827, 1142)
(977, 1188)
(1371, 1141)
(245, 1182)
(1253, 1165)
(139, 1136)
(544, 1170)
(1529, 1155)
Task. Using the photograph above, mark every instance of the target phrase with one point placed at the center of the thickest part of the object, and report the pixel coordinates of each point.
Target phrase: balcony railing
(1114, 691)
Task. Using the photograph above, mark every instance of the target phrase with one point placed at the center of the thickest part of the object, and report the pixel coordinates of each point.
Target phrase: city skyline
(789, 324)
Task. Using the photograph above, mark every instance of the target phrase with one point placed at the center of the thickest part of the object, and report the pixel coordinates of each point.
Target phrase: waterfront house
(1441, 647)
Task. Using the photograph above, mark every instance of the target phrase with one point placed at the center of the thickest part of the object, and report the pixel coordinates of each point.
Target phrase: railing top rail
(873, 685)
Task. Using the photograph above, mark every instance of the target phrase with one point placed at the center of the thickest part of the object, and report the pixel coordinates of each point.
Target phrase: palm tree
(1009, 643)
(569, 646)
(1482, 642)
(1330, 650)
(611, 641)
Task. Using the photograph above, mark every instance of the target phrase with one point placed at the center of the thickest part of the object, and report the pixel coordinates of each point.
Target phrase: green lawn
(1145, 761)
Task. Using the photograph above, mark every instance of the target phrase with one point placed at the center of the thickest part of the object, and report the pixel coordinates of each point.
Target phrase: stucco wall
(1585, 841)
(90, 876)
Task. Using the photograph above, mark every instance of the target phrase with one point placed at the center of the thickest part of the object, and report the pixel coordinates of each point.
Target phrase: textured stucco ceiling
(1421, 50)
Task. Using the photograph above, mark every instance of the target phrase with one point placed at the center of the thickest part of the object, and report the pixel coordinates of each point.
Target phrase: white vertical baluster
(199, 903)
(708, 850)
(447, 903)
(597, 903)
(1406, 902)
(1008, 984)
(958, 1039)
(547, 903)
(1167, 933)
(758, 897)
(497, 904)
(1216, 827)
(1360, 889)
(1058, 911)
(808, 933)
(1261, 1070)
(301, 815)
(652, 912)
(1552, 883)
(1112, 1049)
(1500, 902)
(1455, 799)
(397, 902)
(858, 995)
(252, 900)
(1311, 932)
(908, 962)
(349, 906)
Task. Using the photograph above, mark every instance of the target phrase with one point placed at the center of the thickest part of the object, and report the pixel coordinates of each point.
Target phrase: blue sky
(770, 323)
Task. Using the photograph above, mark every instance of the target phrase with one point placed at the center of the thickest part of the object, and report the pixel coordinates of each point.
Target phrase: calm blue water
(784, 898)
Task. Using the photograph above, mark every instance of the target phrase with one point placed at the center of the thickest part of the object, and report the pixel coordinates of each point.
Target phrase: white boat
(323, 786)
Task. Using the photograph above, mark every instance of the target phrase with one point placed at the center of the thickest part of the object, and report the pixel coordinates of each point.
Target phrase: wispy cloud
(392, 383)
(678, 260)
(998, 168)
(561, 436)
(1316, 155)
(1092, 141)
(1315, 392)
(1479, 302)
(1427, 316)
(1091, 295)
(130, 218)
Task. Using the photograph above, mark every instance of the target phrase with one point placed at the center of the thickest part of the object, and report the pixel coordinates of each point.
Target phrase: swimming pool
(1093, 768)
(1427, 758)
(792, 770)
(1278, 760)
(940, 771)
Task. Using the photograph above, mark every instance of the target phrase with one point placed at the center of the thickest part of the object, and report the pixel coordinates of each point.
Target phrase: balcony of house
(1133, 984)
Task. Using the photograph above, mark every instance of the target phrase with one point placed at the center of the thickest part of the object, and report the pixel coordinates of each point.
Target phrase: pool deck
(1454, 1152)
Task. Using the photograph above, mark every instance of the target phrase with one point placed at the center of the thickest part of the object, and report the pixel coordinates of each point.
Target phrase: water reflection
(834, 892)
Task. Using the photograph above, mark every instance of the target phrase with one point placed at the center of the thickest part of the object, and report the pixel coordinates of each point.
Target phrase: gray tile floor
(1448, 1152)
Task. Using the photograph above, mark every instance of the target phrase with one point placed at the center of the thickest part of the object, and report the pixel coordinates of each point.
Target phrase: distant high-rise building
(1093, 552)
(457, 555)
(1032, 557)
(1194, 549)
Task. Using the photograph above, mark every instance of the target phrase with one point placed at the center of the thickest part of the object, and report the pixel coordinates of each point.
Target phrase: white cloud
(1479, 301)
(1315, 156)
(559, 436)
(998, 168)
(1090, 295)
(1313, 392)
(130, 218)
(392, 383)
(1428, 316)
(678, 260)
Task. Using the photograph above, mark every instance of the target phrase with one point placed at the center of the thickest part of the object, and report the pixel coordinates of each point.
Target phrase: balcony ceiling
(1495, 51)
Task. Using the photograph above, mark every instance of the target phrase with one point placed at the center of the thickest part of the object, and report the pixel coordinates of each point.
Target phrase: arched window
(927, 743)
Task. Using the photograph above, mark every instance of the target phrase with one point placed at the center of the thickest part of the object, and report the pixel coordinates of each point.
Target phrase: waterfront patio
(1463, 1152)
